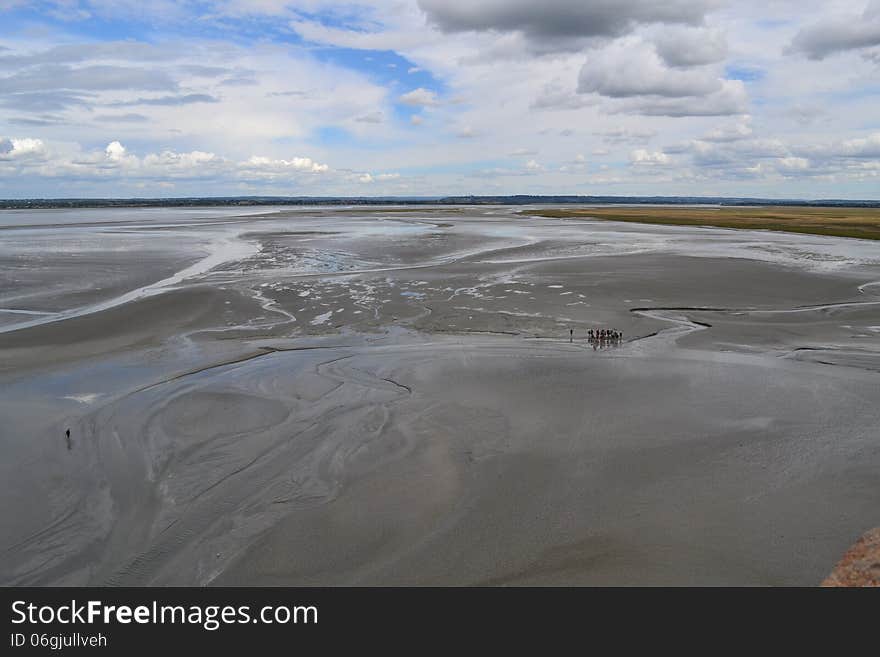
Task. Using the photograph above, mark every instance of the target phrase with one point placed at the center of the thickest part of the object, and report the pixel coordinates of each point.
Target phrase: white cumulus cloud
(17, 149)
(640, 156)
(419, 97)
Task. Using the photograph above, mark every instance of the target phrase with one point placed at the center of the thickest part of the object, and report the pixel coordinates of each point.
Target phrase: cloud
(179, 79)
(554, 96)
(632, 67)
(22, 149)
(861, 147)
(296, 163)
(107, 51)
(739, 130)
(420, 97)
(85, 78)
(372, 117)
(856, 159)
(157, 12)
(622, 135)
(560, 20)
(730, 99)
(840, 34)
(192, 163)
(245, 79)
(168, 101)
(806, 114)
(45, 101)
(116, 160)
(560, 77)
(710, 154)
(54, 87)
(115, 151)
(42, 120)
(358, 39)
(121, 118)
(200, 70)
(635, 79)
(682, 47)
(793, 163)
(642, 157)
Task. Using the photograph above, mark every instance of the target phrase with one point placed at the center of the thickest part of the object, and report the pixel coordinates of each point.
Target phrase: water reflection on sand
(410, 396)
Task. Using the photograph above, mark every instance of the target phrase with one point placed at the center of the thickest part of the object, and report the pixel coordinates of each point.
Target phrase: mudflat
(369, 396)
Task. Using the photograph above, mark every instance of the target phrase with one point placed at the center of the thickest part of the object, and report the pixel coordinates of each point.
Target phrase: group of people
(600, 336)
(604, 335)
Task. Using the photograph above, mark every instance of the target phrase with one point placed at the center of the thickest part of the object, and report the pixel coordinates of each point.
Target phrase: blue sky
(434, 97)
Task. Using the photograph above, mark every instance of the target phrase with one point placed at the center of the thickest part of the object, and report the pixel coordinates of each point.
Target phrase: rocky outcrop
(860, 566)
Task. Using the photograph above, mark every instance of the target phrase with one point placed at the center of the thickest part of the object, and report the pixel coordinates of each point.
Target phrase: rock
(860, 566)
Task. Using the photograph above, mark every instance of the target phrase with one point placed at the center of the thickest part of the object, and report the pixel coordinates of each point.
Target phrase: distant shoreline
(250, 201)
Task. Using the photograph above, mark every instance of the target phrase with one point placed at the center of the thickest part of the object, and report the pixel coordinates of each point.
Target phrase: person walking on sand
(571, 335)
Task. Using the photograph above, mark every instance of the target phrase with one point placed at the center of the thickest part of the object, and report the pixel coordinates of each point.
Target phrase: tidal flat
(370, 396)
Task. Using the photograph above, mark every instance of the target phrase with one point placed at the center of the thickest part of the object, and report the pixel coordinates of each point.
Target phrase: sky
(145, 98)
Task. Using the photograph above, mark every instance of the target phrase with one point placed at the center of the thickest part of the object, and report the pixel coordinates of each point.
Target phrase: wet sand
(332, 397)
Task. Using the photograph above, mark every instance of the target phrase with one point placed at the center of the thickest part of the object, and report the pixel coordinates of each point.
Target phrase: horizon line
(458, 199)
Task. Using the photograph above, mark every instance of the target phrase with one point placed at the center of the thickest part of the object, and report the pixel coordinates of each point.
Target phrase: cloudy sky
(771, 98)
